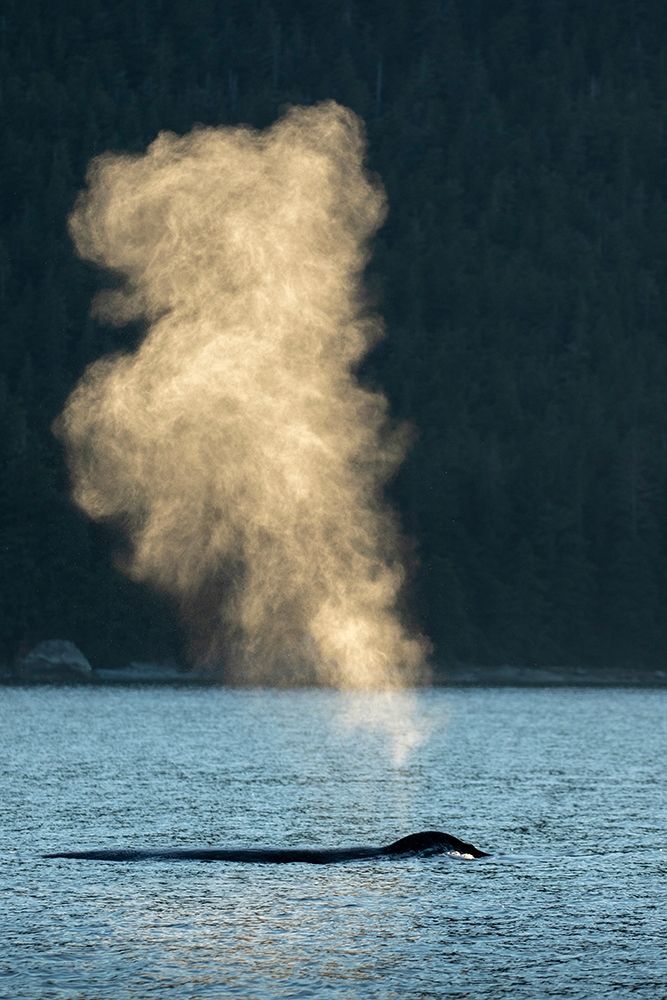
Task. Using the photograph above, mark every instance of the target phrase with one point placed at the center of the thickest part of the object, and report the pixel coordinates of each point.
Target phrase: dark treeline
(522, 274)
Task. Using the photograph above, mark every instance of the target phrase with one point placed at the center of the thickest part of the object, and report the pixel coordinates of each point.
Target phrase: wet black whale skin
(425, 844)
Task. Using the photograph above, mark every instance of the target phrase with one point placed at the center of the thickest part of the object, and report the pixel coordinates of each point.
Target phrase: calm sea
(565, 787)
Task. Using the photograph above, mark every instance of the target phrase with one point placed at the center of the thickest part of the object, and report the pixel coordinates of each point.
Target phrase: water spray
(235, 448)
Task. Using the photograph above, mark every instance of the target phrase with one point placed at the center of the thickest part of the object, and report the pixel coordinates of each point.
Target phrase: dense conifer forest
(522, 274)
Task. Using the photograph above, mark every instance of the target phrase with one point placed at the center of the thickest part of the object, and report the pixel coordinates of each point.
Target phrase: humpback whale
(425, 844)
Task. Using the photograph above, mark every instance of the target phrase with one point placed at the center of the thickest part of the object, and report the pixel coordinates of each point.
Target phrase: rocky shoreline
(61, 662)
(511, 675)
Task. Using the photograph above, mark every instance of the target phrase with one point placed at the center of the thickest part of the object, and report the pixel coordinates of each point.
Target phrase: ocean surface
(567, 789)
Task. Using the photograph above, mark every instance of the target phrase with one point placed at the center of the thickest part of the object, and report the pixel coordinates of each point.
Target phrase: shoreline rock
(54, 660)
(59, 661)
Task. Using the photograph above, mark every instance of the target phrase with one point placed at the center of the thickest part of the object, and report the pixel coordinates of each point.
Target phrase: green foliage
(522, 273)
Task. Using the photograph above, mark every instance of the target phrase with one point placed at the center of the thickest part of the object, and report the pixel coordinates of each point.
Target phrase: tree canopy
(521, 273)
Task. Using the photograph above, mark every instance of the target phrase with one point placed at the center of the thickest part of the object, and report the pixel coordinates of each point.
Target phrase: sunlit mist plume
(395, 715)
(234, 448)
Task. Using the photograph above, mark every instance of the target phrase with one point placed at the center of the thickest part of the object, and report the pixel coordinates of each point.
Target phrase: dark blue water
(567, 788)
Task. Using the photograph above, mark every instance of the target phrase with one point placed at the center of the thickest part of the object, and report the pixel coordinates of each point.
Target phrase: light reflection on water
(565, 787)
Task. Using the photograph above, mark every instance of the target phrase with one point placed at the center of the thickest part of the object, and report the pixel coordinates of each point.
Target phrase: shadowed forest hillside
(522, 274)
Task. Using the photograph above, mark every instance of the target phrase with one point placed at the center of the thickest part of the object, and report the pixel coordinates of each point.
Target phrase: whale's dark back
(417, 844)
(432, 842)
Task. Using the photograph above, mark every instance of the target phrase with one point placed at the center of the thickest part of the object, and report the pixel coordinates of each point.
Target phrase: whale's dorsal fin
(432, 842)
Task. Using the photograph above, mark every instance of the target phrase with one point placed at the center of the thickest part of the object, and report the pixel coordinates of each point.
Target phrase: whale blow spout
(235, 448)
(426, 844)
